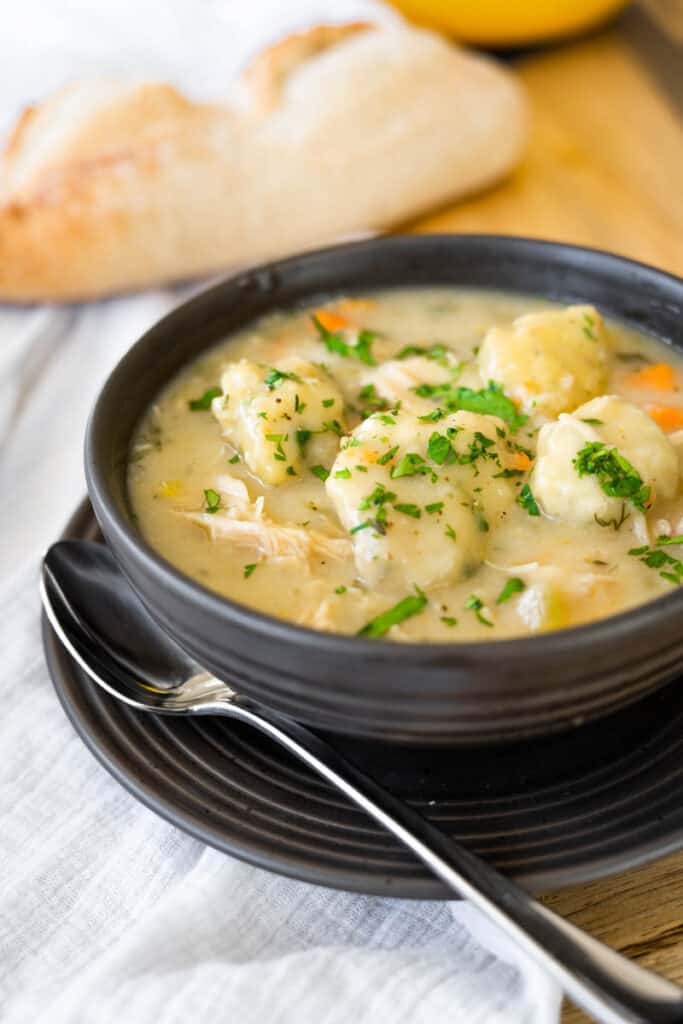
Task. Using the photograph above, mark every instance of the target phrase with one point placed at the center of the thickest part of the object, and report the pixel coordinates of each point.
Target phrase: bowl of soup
(422, 489)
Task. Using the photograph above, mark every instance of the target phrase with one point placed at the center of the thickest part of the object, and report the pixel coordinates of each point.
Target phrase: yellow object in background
(503, 23)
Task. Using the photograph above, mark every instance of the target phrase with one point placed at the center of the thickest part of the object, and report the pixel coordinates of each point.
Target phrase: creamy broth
(360, 472)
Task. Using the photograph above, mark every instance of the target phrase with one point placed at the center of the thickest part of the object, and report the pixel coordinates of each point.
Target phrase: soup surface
(422, 465)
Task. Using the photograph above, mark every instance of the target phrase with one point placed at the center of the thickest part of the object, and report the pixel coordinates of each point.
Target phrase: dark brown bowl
(414, 693)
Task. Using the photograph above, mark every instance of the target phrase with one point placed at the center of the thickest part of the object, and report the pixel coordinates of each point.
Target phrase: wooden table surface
(604, 167)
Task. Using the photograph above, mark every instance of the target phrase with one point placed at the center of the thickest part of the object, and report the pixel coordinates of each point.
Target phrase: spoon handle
(610, 988)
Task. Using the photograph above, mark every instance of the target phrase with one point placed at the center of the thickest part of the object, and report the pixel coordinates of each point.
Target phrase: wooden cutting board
(604, 168)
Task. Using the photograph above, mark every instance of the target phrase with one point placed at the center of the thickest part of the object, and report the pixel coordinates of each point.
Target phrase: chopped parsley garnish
(615, 474)
(436, 506)
(363, 347)
(475, 604)
(361, 469)
(507, 474)
(334, 342)
(491, 401)
(440, 449)
(409, 606)
(593, 422)
(248, 569)
(377, 499)
(615, 523)
(379, 496)
(513, 586)
(213, 501)
(203, 403)
(234, 459)
(320, 472)
(302, 439)
(371, 401)
(479, 448)
(433, 417)
(588, 325)
(327, 402)
(291, 471)
(448, 620)
(274, 378)
(663, 541)
(410, 465)
(671, 568)
(342, 474)
(277, 439)
(340, 590)
(438, 352)
(450, 532)
(388, 456)
(409, 510)
(299, 406)
(361, 526)
(334, 426)
(526, 499)
(385, 418)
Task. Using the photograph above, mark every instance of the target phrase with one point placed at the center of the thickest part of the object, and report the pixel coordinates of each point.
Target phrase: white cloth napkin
(107, 913)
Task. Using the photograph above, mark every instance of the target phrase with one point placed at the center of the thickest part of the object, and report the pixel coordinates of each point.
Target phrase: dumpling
(280, 418)
(420, 497)
(562, 480)
(548, 362)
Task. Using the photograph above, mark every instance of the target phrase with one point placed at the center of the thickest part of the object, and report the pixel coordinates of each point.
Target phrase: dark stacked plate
(549, 811)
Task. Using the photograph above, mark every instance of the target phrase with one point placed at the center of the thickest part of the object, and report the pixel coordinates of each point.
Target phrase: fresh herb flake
(409, 510)
(213, 501)
(475, 604)
(615, 474)
(513, 586)
(490, 401)
(204, 403)
(274, 378)
(334, 342)
(527, 501)
(388, 456)
(381, 625)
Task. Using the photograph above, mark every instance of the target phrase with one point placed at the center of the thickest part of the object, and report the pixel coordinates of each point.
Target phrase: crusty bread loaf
(108, 186)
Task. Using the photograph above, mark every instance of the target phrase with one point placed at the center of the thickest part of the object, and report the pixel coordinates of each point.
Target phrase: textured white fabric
(108, 914)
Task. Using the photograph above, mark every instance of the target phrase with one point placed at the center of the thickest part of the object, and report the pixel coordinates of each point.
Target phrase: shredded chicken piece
(244, 522)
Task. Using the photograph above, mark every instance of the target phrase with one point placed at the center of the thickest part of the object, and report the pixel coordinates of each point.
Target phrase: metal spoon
(110, 634)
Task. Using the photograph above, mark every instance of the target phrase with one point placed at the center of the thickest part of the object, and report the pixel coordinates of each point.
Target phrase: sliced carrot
(331, 321)
(668, 417)
(659, 376)
(520, 460)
